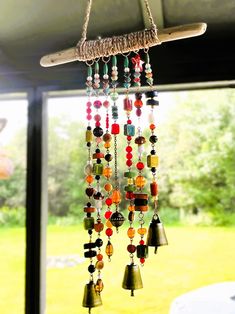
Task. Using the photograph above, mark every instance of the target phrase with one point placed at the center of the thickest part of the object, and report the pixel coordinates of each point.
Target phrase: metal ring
(106, 60)
(90, 64)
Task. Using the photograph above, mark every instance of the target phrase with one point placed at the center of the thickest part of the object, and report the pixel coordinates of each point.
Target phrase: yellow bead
(131, 232)
(152, 161)
(142, 231)
(89, 136)
(140, 181)
(130, 181)
(107, 172)
(109, 249)
(131, 208)
(107, 145)
(99, 265)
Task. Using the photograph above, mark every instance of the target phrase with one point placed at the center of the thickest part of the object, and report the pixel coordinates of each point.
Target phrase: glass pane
(12, 204)
(196, 183)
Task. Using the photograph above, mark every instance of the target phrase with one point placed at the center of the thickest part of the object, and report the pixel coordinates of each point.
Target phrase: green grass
(195, 256)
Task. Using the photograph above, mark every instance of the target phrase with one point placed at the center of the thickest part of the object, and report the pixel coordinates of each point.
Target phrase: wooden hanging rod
(164, 35)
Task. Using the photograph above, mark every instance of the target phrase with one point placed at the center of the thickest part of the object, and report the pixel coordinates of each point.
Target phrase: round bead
(140, 140)
(99, 265)
(88, 104)
(108, 202)
(140, 181)
(108, 214)
(131, 208)
(114, 95)
(129, 163)
(107, 145)
(141, 242)
(138, 103)
(140, 165)
(97, 104)
(108, 187)
(129, 156)
(97, 117)
(106, 104)
(88, 110)
(89, 179)
(142, 260)
(152, 126)
(128, 149)
(138, 112)
(98, 226)
(109, 232)
(99, 257)
(153, 139)
(131, 248)
(108, 157)
(89, 117)
(116, 196)
(107, 137)
(98, 131)
(131, 232)
(142, 231)
(117, 219)
(129, 138)
(107, 172)
(99, 242)
(91, 269)
(129, 195)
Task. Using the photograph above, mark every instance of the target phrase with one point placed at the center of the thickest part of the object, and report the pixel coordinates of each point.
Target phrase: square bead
(152, 161)
(129, 130)
(115, 128)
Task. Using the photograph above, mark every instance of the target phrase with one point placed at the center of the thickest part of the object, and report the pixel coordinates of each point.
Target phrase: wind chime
(103, 179)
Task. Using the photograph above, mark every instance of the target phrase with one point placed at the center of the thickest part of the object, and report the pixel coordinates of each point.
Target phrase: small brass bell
(91, 298)
(132, 278)
(156, 234)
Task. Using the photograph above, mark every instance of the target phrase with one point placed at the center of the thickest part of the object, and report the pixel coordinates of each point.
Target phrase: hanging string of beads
(156, 234)
(89, 221)
(116, 218)
(98, 171)
(107, 137)
(141, 198)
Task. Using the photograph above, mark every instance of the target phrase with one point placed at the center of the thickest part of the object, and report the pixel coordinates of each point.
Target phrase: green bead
(98, 169)
(89, 71)
(97, 67)
(114, 96)
(129, 174)
(88, 223)
(114, 61)
(147, 59)
(126, 62)
(130, 188)
(105, 68)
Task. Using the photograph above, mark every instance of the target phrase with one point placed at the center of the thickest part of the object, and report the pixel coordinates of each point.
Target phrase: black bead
(108, 157)
(99, 242)
(153, 139)
(98, 161)
(98, 194)
(153, 152)
(97, 177)
(153, 169)
(88, 144)
(97, 150)
(98, 131)
(91, 269)
(88, 214)
(151, 94)
(90, 232)
(89, 128)
(88, 204)
(138, 95)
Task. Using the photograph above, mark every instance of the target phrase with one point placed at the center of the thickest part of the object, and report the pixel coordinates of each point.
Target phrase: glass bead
(129, 138)
(142, 260)
(131, 248)
(151, 118)
(130, 181)
(151, 94)
(88, 168)
(138, 103)
(116, 196)
(138, 112)
(140, 140)
(98, 131)
(109, 249)
(88, 223)
(89, 136)
(129, 174)
(99, 242)
(98, 226)
(97, 123)
(152, 161)
(99, 257)
(98, 169)
(141, 242)
(98, 203)
(109, 232)
(97, 117)
(127, 104)
(154, 188)
(140, 181)
(131, 208)
(107, 137)
(129, 163)
(142, 251)
(108, 187)
(153, 139)
(114, 96)
(128, 149)
(131, 216)
(108, 157)
(138, 96)
(152, 126)
(89, 179)
(142, 231)
(107, 172)
(129, 196)
(129, 130)
(129, 156)
(99, 286)
(106, 104)
(140, 149)
(107, 145)
(152, 102)
(99, 265)
(89, 117)
(108, 214)
(117, 219)
(97, 104)
(115, 129)
(130, 188)
(89, 192)
(108, 224)
(91, 269)
(88, 110)
(131, 232)
(140, 165)
(108, 201)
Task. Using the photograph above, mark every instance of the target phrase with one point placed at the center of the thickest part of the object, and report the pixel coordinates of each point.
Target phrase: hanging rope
(92, 49)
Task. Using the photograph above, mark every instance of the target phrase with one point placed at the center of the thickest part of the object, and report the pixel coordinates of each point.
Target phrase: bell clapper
(132, 293)
(155, 250)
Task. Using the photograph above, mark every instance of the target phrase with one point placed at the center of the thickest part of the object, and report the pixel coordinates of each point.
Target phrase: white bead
(140, 149)
(89, 78)
(96, 75)
(98, 203)
(147, 65)
(114, 68)
(126, 70)
(105, 76)
(151, 118)
(137, 69)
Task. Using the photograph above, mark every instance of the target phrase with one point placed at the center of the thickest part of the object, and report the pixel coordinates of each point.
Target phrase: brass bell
(91, 298)
(132, 278)
(156, 234)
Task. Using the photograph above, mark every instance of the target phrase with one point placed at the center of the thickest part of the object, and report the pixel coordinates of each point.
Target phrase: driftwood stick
(163, 35)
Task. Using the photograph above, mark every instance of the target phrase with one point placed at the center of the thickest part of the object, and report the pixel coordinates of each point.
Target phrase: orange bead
(108, 187)
(99, 265)
(109, 224)
(99, 226)
(152, 126)
(107, 172)
(131, 232)
(109, 249)
(140, 181)
(138, 103)
(116, 197)
(89, 179)
(131, 208)
(107, 145)
(142, 231)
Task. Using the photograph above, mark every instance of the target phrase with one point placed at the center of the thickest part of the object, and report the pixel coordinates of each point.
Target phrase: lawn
(196, 256)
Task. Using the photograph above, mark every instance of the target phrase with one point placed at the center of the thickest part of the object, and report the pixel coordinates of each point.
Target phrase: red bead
(108, 201)
(129, 163)
(89, 117)
(88, 104)
(128, 149)
(129, 195)
(129, 138)
(88, 110)
(152, 126)
(141, 242)
(97, 104)
(115, 128)
(109, 232)
(131, 248)
(106, 103)
(142, 260)
(97, 123)
(138, 103)
(140, 165)
(129, 156)
(97, 117)
(127, 104)
(108, 214)
(129, 121)
(138, 112)
(99, 257)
